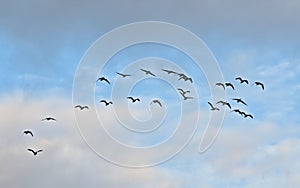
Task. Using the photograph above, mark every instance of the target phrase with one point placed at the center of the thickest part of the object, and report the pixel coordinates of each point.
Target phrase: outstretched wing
(78, 106)
(210, 105)
(31, 150)
(39, 151)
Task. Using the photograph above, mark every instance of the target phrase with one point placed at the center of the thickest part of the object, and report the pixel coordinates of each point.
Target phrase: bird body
(259, 84)
(34, 152)
(106, 103)
(169, 71)
(248, 115)
(157, 101)
(81, 107)
(228, 84)
(147, 72)
(224, 103)
(133, 100)
(103, 79)
(123, 75)
(220, 84)
(239, 100)
(242, 80)
(28, 132)
(49, 119)
(212, 108)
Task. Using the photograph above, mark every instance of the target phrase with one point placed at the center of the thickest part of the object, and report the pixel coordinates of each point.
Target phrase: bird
(157, 101)
(147, 72)
(248, 115)
(224, 103)
(34, 152)
(220, 84)
(213, 107)
(259, 84)
(228, 84)
(28, 132)
(185, 78)
(185, 97)
(182, 91)
(238, 111)
(169, 71)
(133, 99)
(239, 100)
(49, 119)
(106, 103)
(242, 80)
(81, 107)
(123, 75)
(103, 79)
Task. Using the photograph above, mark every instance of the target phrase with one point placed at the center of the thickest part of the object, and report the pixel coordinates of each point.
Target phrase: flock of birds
(182, 92)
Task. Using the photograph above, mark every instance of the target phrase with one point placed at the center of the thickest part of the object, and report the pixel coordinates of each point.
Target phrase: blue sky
(42, 44)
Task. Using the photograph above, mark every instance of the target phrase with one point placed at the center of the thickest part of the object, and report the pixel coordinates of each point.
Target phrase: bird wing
(210, 105)
(103, 101)
(39, 151)
(106, 80)
(246, 81)
(151, 73)
(220, 102)
(228, 105)
(86, 107)
(78, 106)
(137, 99)
(31, 150)
(243, 102)
(131, 98)
(179, 89)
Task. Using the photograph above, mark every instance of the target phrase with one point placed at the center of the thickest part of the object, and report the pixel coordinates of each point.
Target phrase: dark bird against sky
(106, 103)
(259, 84)
(212, 108)
(147, 72)
(220, 84)
(239, 100)
(49, 119)
(28, 132)
(34, 152)
(81, 107)
(224, 103)
(133, 100)
(228, 84)
(242, 80)
(103, 79)
(169, 71)
(123, 75)
(157, 102)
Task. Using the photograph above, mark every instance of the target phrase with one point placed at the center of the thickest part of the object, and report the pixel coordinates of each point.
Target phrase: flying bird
(28, 132)
(147, 72)
(81, 107)
(156, 101)
(103, 79)
(212, 108)
(133, 100)
(185, 97)
(242, 80)
(224, 103)
(259, 84)
(106, 103)
(185, 78)
(248, 115)
(238, 111)
(220, 84)
(123, 75)
(228, 84)
(182, 91)
(49, 119)
(169, 71)
(35, 152)
(239, 100)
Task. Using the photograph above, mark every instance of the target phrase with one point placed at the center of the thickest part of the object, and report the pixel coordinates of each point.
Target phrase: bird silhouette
(220, 84)
(259, 84)
(147, 72)
(185, 97)
(169, 71)
(28, 132)
(248, 115)
(182, 91)
(242, 80)
(81, 107)
(224, 103)
(34, 152)
(239, 112)
(228, 84)
(185, 78)
(49, 119)
(239, 100)
(157, 101)
(133, 100)
(123, 75)
(106, 103)
(212, 108)
(103, 79)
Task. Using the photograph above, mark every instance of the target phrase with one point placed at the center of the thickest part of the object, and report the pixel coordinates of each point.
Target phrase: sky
(44, 47)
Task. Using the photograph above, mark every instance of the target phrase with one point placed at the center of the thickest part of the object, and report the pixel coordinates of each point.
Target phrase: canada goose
(35, 152)
(49, 119)
(103, 79)
(182, 91)
(28, 132)
(157, 101)
(213, 107)
(169, 71)
(239, 100)
(81, 107)
(133, 100)
(228, 84)
(242, 80)
(220, 84)
(106, 103)
(259, 84)
(224, 103)
(123, 75)
(147, 72)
